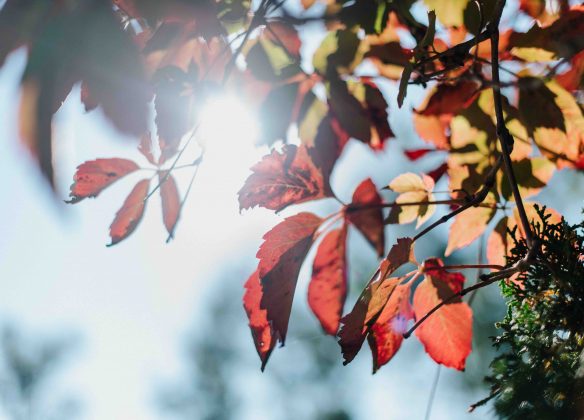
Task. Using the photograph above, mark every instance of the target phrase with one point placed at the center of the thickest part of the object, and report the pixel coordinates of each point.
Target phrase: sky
(133, 303)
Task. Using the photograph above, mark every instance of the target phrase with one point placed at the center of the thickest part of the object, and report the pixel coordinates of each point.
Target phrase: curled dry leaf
(447, 333)
(94, 176)
(327, 290)
(128, 217)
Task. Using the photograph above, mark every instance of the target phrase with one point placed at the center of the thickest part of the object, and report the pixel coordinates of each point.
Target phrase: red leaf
(261, 331)
(281, 256)
(386, 334)
(446, 334)
(95, 175)
(128, 217)
(369, 222)
(415, 154)
(357, 323)
(450, 99)
(170, 201)
(373, 298)
(438, 172)
(282, 179)
(327, 290)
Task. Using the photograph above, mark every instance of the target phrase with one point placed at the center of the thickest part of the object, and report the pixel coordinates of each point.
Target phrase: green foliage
(543, 334)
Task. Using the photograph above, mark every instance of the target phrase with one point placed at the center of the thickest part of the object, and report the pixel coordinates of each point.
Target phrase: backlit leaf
(94, 176)
(386, 333)
(261, 331)
(328, 287)
(370, 220)
(130, 214)
(281, 256)
(282, 179)
(446, 334)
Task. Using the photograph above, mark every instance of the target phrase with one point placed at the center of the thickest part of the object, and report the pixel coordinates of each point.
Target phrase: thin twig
(472, 201)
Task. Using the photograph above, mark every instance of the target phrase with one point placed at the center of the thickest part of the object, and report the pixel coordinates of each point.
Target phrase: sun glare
(227, 122)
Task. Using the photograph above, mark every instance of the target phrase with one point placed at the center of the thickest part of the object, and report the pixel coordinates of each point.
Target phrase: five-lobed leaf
(282, 179)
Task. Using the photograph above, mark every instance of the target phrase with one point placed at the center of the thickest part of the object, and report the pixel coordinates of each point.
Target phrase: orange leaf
(261, 330)
(327, 290)
(446, 334)
(468, 226)
(95, 175)
(369, 222)
(128, 217)
(281, 256)
(282, 179)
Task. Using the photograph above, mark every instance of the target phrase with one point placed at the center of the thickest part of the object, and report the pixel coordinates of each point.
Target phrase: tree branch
(505, 138)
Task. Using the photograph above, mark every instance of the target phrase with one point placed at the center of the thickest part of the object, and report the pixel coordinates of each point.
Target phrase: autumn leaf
(82, 43)
(93, 176)
(413, 189)
(446, 334)
(450, 99)
(357, 323)
(281, 256)
(470, 225)
(415, 154)
(327, 290)
(449, 12)
(170, 201)
(386, 333)
(282, 179)
(339, 53)
(261, 331)
(128, 217)
(368, 221)
(361, 111)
